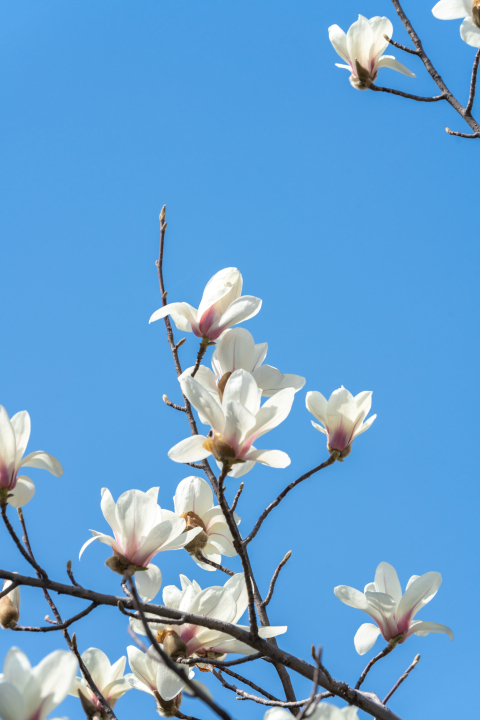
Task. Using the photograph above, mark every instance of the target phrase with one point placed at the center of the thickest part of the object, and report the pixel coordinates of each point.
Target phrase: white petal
(21, 426)
(193, 494)
(238, 587)
(366, 637)
(169, 684)
(242, 388)
(270, 380)
(235, 351)
(107, 505)
(388, 61)
(180, 309)
(8, 446)
(22, 493)
(221, 290)
(452, 9)
(362, 428)
(272, 458)
(339, 41)
(55, 674)
(148, 582)
(204, 403)
(204, 376)
(317, 404)
(386, 581)
(105, 539)
(189, 450)
(162, 534)
(470, 33)
(424, 628)
(239, 424)
(273, 412)
(43, 461)
(11, 702)
(360, 41)
(98, 665)
(381, 26)
(420, 592)
(240, 310)
(144, 668)
(135, 513)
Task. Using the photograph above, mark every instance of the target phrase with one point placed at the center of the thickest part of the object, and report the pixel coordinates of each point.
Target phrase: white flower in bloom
(28, 693)
(227, 603)
(9, 606)
(14, 436)
(342, 417)
(236, 350)
(457, 9)
(362, 48)
(141, 529)
(236, 424)
(108, 678)
(194, 502)
(221, 307)
(323, 711)
(392, 611)
(151, 675)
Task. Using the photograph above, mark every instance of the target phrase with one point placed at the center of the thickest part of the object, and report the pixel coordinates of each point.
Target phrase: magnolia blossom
(342, 417)
(108, 678)
(236, 350)
(9, 606)
(221, 307)
(193, 501)
(227, 603)
(362, 48)
(457, 9)
(28, 693)
(323, 711)
(236, 424)
(151, 675)
(14, 436)
(141, 529)
(392, 611)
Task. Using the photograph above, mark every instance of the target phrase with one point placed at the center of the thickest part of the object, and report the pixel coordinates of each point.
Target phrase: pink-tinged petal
(193, 494)
(272, 458)
(386, 581)
(180, 310)
(203, 402)
(43, 461)
(135, 513)
(220, 291)
(22, 493)
(158, 536)
(242, 309)
(385, 606)
(419, 593)
(366, 637)
(21, 426)
(239, 424)
(189, 450)
(424, 628)
(360, 42)
(7, 450)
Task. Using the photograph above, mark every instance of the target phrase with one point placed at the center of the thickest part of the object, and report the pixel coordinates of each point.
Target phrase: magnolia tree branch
(245, 681)
(275, 578)
(391, 646)
(54, 626)
(409, 96)
(402, 679)
(473, 82)
(267, 649)
(464, 112)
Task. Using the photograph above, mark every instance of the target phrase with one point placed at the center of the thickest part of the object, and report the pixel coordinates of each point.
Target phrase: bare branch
(203, 559)
(402, 679)
(222, 663)
(409, 96)
(283, 494)
(9, 589)
(70, 574)
(55, 626)
(245, 681)
(391, 646)
(469, 136)
(473, 83)
(173, 405)
(274, 578)
(237, 497)
(401, 47)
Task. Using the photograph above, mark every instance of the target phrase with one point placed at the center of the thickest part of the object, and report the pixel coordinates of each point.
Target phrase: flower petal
(317, 404)
(204, 403)
(11, 701)
(386, 581)
(235, 351)
(43, 461)
(424, 628)
(21, 427)
(189, 450)
(338, 38)
(366, 637)
(22, 493)
(419, 593)
(270, 380)
(272, 458)
(452, 9)
(193, 494)
(148, 582)
(242, 388)
(388, 61)
(242, 309)
(178, 310)
(470, 33)
(169, 684)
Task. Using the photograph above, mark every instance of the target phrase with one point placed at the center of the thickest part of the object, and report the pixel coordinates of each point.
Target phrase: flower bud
(168, 708)
(9, 607)
(173, 645)
(340, 454)
(362, 79)
(121, 565)
(220, 450)
(476, 13)
(192, 520)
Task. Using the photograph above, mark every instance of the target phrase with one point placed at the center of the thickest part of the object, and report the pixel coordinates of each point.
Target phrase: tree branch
(62, 626)
(386, 651)
(473, 83)
(203, 559)
(409, 96)
(402, 679)
(275, 577)
(245, 681)
(400, 46)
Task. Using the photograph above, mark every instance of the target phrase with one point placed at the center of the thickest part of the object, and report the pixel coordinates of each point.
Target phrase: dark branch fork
(446, 94)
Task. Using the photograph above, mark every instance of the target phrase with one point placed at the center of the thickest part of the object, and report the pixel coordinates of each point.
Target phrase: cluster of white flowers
(229, 401)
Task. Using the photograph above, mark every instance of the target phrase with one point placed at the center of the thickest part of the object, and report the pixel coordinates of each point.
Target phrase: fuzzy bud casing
(476, 13)
(9, 607)
(168, 708)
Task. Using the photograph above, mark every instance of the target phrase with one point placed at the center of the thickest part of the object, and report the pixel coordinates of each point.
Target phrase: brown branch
(402, 679)
(469, 136)
(197, 691)
(204, 345)
(268, 649)
(222, 663)
(275, 577)
(473, 83)
(205, 560)
(386, 651)
(409, 96)
(237, 497)
(9, 589)
(282, 495)
(70, 574)
(184, 717)
(62, 626)
(246, 682)
(400, 46)
(173, 405)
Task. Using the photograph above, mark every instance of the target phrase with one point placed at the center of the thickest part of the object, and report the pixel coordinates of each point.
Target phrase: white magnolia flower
(362, 48)
(392, 611)
(236, 424)
(14, 436)
(323, 711)
(221, 307)
(193, 501)
(151, 675)
(227, 603)
(108, 678)
(236, 350)
(141, 529)
(342, 417)
(457, 9)
(9, 606)
(28, 693)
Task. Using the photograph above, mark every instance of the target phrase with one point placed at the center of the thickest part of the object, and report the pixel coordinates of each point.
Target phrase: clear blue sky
(353, 215)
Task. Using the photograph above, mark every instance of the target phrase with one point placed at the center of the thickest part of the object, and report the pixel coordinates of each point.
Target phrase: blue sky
(353, 215)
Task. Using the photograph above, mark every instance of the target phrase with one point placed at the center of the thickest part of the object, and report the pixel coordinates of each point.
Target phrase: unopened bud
(192, 520)
(180, 342)
(362, 79)
(220, 450)
(173, 645)
(74, 641)
(91, 711)
(121, 565)
(9, 607)
(69, 565)
(168, 708)
(476, 13)
(163, 212)
(165, 399)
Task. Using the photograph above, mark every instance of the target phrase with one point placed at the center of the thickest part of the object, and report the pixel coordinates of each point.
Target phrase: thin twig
(62, 626)
(312, 700)
(9, 589)
(221, 663)
(204, 345)
(401, 47)
(261, 701)
(237, 497)
(386, 651)
(409, 96)
(205, 560)
(197, 691)
(401, 679)
(249, 683)
(473, 83)
(282, 495)
(469, 136)
(184, 717)
(70, 574)
(274, 578)
(197, 466)
(173, 405)
(40, 571)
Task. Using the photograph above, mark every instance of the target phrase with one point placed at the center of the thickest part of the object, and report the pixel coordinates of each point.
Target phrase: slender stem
(173, 405)
(201, 352)
(205, 560)
(402, 679)
(247, 682)
(391, 646)
(409, 96)
(237, 497)
(63, 625)
(223, 663)
(282, 495)
(469, 136)
(473, 83)
(400, 46)
(275, 577)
